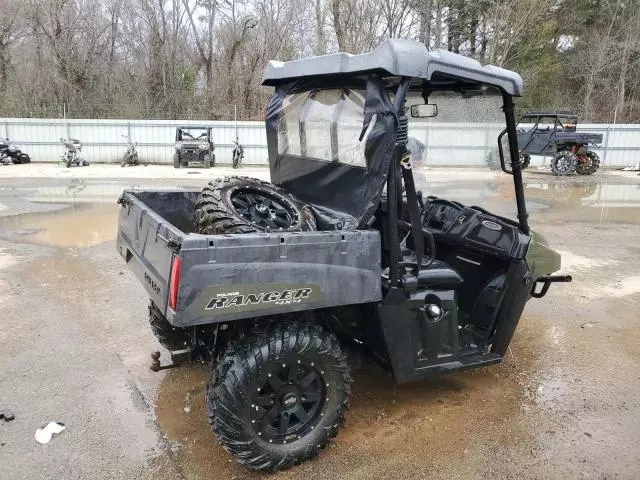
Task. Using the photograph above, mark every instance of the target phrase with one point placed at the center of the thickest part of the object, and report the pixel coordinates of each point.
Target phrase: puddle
(78, 226)
(392, 431)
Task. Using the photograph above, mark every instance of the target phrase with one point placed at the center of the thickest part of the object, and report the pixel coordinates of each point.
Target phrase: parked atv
(553, 133)
(280, 277)
(194, 145)
(238, 154)
(10, 154)
(130, 157)
(71, 156)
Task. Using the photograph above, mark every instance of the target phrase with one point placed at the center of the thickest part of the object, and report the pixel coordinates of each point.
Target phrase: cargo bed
(227, 277)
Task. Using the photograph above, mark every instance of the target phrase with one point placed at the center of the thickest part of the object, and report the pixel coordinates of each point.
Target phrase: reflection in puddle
(79, 225)
(557, 199)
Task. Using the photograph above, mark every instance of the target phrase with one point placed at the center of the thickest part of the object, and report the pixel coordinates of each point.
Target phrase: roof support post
(514, 153)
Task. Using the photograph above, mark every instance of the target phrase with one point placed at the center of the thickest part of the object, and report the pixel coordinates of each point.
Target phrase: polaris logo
(282, 297)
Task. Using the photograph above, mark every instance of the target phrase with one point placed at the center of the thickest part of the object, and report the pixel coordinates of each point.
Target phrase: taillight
(174, 283)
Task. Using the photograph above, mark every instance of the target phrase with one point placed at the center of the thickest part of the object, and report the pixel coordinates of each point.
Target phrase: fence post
(605, 147)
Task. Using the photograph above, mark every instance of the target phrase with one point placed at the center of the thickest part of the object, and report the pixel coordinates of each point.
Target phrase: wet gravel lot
(75, 344)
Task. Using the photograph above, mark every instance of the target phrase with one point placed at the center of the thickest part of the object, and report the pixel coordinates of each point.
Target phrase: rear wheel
(564, 163)
(24, 158)
(170, 337)
(278, 397)
(206, 159)
(590, 166)
(176, 161)
(236, 158)
(245, 205)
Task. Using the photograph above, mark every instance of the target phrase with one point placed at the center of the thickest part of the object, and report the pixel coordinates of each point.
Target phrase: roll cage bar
(396, 173)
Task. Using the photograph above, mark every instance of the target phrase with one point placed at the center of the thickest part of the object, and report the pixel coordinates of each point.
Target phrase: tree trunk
(337, 25)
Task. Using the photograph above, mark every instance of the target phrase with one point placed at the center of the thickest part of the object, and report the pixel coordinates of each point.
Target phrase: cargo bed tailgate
(147, 242)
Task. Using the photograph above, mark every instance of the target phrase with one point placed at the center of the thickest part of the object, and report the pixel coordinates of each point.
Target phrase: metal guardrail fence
(104, 141)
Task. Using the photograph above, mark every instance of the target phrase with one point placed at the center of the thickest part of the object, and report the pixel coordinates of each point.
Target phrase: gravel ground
(75, 347)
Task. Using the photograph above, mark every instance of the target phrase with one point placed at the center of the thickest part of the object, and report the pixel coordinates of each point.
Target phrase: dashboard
(473, 228)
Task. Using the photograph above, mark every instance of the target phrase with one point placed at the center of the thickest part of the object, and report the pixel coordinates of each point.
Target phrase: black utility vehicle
(553, 133)
(194, 145)
(339, 250)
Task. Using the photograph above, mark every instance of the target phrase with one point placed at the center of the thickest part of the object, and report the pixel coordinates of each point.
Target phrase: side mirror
(427, 110)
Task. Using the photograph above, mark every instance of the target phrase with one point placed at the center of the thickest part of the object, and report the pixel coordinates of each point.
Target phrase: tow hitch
(178, 357)
(546, 282)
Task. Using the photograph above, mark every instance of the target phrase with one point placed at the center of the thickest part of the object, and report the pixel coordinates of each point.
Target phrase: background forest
(198, 58)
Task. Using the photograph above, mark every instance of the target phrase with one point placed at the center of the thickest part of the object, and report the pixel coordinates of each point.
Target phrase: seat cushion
(439, 275)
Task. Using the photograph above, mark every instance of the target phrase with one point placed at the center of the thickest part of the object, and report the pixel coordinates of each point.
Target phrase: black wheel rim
(263, 210)
(288, 402)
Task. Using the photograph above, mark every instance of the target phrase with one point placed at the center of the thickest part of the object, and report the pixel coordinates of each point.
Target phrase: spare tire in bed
(247, 205)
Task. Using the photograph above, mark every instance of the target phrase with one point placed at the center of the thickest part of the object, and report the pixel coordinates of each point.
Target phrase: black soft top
(394, 57)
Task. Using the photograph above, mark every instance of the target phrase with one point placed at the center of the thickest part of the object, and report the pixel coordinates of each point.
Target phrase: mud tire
(589, 169)
(170, 337)
(245, 366)
(216, 214)
(564, 163)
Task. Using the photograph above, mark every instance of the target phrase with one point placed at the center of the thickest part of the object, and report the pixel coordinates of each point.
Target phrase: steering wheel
(428, 216)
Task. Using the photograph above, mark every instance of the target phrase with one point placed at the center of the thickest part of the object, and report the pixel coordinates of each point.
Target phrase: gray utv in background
(272, 281)
(553, 133)
(194, 146)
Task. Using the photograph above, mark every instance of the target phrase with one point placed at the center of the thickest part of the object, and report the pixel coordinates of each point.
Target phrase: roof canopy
(395, 57)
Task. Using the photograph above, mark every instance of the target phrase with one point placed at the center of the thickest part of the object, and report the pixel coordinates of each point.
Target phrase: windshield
(192, 134)
(465, 129)
(463, 134)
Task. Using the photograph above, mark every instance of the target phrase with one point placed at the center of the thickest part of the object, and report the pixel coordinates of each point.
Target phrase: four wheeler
(194, 145)
(279, 278)
(12, 154)
(130, 157)
(238, 153)
(71, 156)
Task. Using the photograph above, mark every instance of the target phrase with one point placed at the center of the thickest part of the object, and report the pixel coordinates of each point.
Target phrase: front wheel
(564, 163)
(236, 158)
(279, 396)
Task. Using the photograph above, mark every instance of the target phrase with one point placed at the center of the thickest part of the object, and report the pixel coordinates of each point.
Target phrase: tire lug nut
(269, 375)
(284, 365)
(312, 364)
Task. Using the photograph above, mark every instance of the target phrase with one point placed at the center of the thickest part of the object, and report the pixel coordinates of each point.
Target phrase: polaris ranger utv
(340, 249)
(194, 145)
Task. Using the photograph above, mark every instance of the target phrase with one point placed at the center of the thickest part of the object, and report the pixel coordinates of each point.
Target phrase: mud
(564, 403)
